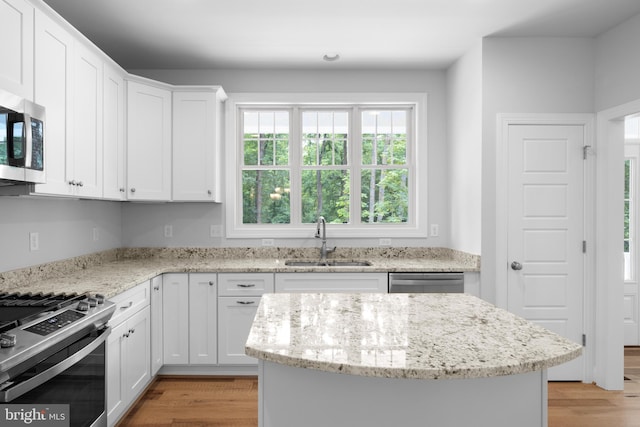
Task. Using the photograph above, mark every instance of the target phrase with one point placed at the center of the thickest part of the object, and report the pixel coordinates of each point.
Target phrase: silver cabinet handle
(246, 302)
(211, 283)
(73, 182)
(246, 285)
(209, 192)
(80, 183)
(515, 265)
(121, 189)
(133, 190)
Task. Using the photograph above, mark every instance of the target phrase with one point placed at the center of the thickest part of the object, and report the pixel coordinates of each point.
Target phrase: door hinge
(584, 246)
(585, 150)
(584, 340)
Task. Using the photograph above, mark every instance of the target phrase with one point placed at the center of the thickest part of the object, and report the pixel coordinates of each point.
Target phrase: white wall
(464, 131)
(65, 228)
(144, 223)
(526, 75)
(617, 75)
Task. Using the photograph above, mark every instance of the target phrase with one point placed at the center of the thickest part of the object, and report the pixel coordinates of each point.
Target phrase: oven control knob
(99, 298)
(83, 306)
(7, 340)
(92, 301)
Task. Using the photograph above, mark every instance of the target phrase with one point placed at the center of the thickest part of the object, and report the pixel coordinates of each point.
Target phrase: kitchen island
(373, 360)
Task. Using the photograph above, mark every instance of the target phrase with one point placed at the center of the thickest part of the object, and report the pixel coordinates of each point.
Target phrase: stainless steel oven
(56, 358)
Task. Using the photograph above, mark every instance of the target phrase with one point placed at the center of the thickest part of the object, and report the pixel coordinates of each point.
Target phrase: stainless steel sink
(329, 263)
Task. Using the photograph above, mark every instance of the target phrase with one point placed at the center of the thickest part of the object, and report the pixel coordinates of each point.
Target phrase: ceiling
(202, 34)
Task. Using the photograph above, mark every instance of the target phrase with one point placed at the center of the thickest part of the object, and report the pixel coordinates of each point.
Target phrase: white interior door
(546, 231)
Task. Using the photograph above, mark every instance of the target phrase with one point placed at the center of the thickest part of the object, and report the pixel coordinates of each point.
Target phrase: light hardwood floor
(233, 402)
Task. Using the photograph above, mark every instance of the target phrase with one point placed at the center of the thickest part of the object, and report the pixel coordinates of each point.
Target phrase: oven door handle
(6, 396)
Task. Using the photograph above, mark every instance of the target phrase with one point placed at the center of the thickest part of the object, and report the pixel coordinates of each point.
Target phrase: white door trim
(609, 356)
(502, 169)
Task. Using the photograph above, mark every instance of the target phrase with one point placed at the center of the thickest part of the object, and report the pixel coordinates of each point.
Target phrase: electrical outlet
(435, 230)
(34, 241)
(168, 230)
(96, 234)
(385, 242)
(215, 231)
(267, 242)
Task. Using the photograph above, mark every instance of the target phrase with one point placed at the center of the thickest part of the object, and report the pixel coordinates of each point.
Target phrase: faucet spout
(321, 233)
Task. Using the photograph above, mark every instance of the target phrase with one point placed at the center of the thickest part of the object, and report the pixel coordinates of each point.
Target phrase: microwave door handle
(28, 137)
(6, 396)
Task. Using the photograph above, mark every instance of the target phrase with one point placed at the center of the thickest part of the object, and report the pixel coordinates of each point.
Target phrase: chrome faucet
(323, 250)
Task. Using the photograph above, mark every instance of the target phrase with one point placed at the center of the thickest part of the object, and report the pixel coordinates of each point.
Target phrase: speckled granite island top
(422, 336)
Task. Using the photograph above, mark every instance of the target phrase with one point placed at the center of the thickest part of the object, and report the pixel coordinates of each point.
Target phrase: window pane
(384, 195)
(325, 138)
(326, 193)
(266, 137)
(629, 214)
(627, 178)
(384, 137)
(265, 197)
(632, 128)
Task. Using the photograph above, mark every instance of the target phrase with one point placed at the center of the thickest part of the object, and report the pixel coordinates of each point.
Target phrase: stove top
(34, 325)
(17, 308)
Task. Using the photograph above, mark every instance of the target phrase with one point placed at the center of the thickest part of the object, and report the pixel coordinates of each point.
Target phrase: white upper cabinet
(110, 135)
(113, 142)
(68, 83)
(16, 30)
(148, 142)
(53, 89)
(196, 144)
(86, 154)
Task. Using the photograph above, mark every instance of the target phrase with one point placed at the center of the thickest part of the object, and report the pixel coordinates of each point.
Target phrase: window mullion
(355, 166)
(295, 163)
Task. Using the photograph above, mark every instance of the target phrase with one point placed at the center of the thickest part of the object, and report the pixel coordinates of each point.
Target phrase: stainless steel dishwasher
(426, 282)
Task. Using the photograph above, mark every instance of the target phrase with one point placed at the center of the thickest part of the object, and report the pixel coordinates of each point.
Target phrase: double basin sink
(328, 263)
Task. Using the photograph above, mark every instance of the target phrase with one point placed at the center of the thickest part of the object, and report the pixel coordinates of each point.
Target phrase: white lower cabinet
(128, 351)
(238, 300)
(157, 359)
(331, 282)
(189, 310)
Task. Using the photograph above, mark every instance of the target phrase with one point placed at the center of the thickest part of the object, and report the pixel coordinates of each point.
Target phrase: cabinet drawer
(245, 284)
(129, 302)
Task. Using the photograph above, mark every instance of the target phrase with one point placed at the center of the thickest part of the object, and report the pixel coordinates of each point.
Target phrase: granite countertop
(422, 336)
(112, 272)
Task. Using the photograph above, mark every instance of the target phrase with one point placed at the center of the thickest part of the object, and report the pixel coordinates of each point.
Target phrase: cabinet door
(175, 321)
(53, 83)
(331, 282)
(148, 142)
(194, 146)
(113, 164)
(136, 370)
(16, 30)
(236, 317)
(115, 389)
(203, 327)
(156, 325)
(86, 155)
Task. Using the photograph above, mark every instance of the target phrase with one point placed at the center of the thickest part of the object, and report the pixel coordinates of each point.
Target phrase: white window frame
(234, 226)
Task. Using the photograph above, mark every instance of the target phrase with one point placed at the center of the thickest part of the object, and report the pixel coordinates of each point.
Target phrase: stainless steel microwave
(22, 140)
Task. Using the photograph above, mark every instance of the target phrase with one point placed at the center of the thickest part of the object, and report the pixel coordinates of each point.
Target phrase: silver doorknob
(515, 265)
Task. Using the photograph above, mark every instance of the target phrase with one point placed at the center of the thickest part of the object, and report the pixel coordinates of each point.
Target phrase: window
(352, 163)
(632, 155)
